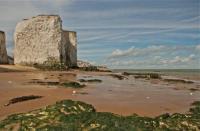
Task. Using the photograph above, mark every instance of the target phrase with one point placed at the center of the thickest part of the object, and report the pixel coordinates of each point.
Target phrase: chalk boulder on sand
(42, 37)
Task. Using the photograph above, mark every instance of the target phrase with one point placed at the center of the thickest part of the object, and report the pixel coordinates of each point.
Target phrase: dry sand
(124, 97)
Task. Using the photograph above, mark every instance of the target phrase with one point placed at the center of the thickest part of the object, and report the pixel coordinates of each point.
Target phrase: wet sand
(123, 97)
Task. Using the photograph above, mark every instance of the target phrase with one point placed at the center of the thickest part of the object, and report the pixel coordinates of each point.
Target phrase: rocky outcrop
(42, 37)
(86, 66)
(81, 63)
(3, 52)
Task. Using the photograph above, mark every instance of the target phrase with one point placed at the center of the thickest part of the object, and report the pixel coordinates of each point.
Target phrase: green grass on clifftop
(68, 115)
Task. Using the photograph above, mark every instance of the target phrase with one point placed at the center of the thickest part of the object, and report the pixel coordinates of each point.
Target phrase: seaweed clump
(51, 64)
(89, 68)
(90, 80)
(143, 75)
(71, 84)
(22, 99)
(93, 69)
(179, 81)
(76, 115)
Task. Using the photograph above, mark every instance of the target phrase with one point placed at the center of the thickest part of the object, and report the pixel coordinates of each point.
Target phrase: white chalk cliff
(3, 51)
(42, 37)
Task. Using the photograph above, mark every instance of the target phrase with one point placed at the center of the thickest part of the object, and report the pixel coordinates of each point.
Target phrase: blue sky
(120, 33)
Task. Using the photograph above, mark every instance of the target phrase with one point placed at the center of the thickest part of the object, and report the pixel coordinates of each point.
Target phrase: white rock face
(69, 48)
(40, 38)
(3, 52)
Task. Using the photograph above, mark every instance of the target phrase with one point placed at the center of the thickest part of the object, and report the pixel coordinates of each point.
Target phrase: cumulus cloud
(154, 56)
(103, 29)
(157, 62)
(198, 47)
(153, 50)
(132, 51)
(119, 53)
(178, 59)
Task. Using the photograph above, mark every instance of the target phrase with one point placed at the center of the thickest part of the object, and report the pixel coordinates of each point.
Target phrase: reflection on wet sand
(146, 97)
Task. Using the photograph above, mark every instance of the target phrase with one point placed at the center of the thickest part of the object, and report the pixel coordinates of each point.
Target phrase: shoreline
(124, 97)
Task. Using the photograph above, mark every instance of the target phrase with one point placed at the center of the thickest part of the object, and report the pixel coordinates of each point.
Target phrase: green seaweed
(22, 99)
(90, 80)
(72, 84)
(93, 69)
(51, 64)
(75, 115)
(89, 68)
(178, 81)
(143, 75)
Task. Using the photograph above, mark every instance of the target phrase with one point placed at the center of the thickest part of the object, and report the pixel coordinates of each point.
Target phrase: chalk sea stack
(3, 52)
(42, 37)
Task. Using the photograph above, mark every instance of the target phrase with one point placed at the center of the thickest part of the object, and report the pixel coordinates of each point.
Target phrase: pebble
(10, 82)
(147, 97)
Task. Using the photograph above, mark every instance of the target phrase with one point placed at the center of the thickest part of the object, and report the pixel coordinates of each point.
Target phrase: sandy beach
(145, 97)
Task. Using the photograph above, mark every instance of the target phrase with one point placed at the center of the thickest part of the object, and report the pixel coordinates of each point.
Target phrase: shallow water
(192, 74)
(124, 97)
(144, 97)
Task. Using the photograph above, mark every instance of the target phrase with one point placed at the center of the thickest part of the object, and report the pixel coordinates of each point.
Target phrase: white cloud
(158, 62)
(132, 51)
(13, 11)
(119, 53)
(154, 56)
(178, 60)
(198, 47)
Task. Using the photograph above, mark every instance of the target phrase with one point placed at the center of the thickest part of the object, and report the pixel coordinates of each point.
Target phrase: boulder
(3, 51)
(81, 64)
(42, 37)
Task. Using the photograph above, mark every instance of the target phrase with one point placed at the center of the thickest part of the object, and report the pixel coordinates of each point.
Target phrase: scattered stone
(86, 66)
(74, 92)
(82, 64)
